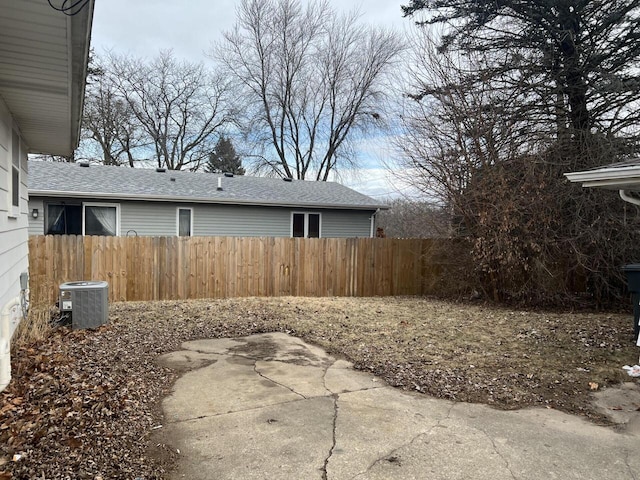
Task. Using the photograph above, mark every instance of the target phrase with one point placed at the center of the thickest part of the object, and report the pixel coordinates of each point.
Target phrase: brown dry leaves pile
(84, 404)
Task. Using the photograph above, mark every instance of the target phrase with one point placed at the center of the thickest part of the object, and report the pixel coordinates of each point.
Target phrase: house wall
(13, 225)
(159, 219)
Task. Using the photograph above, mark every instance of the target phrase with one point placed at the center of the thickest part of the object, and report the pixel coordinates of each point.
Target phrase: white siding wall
(13, 228)
(159, 219)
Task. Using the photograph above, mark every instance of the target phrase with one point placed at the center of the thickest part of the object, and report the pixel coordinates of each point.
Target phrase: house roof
(43, 58)
(71, 180)
(616, 176)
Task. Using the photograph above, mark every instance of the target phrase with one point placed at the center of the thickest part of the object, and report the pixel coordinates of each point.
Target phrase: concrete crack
(333, 444)
(366, 389)
(232, 412)
(626, 461)
(324, 378)
(255, 369)
(407, 444)
(495, 449)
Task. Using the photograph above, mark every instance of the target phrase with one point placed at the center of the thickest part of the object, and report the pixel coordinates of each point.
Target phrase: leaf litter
(85, 404)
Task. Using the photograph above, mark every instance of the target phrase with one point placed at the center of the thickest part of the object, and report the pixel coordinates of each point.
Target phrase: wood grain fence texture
(169, 268)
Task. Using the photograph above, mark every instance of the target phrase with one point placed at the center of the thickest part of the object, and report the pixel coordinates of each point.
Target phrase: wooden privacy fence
(164, 268)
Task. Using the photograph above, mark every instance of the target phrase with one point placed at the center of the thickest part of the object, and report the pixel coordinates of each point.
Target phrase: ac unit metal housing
(86, 302)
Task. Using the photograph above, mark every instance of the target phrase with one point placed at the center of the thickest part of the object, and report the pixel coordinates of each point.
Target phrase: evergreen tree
(224, 158)
(571, 65)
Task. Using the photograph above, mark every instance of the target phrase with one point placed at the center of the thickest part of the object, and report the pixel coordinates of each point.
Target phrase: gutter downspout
(629, 198)
(373, 223)
(5, 342)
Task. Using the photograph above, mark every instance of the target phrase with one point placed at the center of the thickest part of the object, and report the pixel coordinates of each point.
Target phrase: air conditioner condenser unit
(86, 302)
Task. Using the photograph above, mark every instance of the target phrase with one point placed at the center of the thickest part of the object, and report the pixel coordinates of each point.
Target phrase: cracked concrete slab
(274, 442)
(272, 406)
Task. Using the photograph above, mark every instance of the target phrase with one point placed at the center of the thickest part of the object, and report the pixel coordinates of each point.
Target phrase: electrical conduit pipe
(5, 341)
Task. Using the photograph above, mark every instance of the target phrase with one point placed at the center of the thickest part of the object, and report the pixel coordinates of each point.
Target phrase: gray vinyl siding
(160, 219)
(241, 221)
(36, 225)
(346, 223)
(147, 219)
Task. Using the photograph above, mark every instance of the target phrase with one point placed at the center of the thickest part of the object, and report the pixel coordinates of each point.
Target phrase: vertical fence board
(164, 268)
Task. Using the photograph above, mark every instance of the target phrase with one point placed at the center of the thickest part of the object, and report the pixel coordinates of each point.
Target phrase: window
(100, 219)
(15, 173)
(305, 225)
(185, 222)
(63, 220)
(85, 219)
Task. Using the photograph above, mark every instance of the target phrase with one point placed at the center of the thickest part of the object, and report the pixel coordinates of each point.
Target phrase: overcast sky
(144, 27)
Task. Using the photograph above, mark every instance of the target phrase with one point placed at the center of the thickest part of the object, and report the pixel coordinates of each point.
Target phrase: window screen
(298, 224)
(99, 220)
(184, 222)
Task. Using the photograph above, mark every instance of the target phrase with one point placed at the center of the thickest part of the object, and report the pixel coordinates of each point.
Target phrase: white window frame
(178, 220)
(14, 210)
(306, 223)
(98, 204)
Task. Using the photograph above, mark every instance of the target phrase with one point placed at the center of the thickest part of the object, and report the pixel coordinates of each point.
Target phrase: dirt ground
(85, 404)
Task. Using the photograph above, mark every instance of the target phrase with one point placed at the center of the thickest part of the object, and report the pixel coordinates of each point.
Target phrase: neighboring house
(621, 176)
(83, 199)
(43, 64)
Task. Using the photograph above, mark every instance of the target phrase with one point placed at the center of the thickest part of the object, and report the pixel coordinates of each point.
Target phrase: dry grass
(35, 328)
(475, 353)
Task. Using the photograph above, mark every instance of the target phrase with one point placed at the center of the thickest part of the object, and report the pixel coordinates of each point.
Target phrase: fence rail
(164, 268)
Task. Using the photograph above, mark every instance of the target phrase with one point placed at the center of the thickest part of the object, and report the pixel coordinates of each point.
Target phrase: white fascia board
(222, 201)
(607, 177)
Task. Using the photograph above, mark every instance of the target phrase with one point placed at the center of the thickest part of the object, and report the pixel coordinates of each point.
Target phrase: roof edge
(168, 198)
(81, 26)
(606, 177)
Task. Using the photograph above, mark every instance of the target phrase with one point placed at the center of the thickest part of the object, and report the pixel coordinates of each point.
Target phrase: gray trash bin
(632, 272)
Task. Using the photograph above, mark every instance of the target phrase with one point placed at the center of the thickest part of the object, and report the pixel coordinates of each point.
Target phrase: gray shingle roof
(99, 181)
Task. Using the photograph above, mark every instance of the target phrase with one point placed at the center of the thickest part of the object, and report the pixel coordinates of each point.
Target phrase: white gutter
(629, 198)
(5, 342)
(606, 177)
(169, 198)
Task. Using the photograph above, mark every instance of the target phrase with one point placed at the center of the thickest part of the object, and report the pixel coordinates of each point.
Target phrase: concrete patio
(271, 406)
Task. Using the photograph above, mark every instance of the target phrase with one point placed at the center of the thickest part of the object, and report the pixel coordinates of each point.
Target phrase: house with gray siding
(88, 199)
(43, 66)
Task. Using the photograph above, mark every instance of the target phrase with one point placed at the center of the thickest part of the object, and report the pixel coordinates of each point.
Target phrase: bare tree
(458, 124)
(311, 80)
(109, 121)
(497, 167)
(179, 106)
(407, 218)
(575, 63)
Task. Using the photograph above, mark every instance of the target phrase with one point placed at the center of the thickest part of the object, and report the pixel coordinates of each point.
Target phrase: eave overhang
(43, 64)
